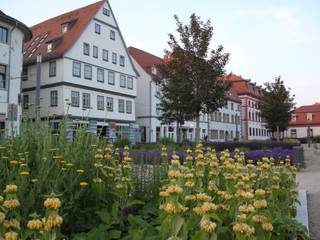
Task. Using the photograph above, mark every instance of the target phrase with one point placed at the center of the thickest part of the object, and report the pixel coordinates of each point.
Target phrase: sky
(265, 38)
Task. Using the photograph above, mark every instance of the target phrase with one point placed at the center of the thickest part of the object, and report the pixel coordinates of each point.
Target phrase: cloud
(287, 18)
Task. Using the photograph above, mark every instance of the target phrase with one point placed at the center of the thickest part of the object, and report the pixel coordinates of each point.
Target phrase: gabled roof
(243, 86)
(50, 30)
(308, 108)
(144, 59)
(10, 20)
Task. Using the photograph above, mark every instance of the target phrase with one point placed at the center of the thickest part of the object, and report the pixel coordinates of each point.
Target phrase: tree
(193, 73)
(277, 105)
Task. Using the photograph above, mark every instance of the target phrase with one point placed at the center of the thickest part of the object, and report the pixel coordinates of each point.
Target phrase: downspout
(9, 76)
(150, 109)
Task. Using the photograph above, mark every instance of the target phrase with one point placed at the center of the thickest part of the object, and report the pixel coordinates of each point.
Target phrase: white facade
(302, 131)
(225, 124)
(11, 60)
(79, 77)
(253, 125)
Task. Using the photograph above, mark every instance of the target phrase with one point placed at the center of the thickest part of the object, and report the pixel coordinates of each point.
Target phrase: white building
(12, 35)
(151, 129)
(225, 124)
(86, 71)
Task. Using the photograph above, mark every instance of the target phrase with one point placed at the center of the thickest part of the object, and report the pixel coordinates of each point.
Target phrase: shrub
(122, 142)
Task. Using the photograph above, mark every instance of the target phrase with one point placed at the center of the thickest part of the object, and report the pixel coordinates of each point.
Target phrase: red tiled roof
(144, 59)
(50, 29)
(308, 108)
(242, 86)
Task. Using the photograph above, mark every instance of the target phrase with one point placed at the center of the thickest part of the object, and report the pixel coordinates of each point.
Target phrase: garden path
(309, 179)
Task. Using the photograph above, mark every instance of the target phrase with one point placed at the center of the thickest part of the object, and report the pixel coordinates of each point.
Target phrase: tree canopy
(277, 105)
(191, 78)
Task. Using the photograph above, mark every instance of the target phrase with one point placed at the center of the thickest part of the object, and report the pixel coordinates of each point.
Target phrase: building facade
(222, 125)
(12, 36)
(86, 72)
(305, 122)
(253, 125)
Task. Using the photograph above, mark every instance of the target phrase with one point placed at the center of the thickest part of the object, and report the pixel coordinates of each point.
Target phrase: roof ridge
(145, 52)
(66, 13)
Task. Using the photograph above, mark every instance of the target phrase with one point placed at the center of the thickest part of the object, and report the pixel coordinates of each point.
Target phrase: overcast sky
(265, 38)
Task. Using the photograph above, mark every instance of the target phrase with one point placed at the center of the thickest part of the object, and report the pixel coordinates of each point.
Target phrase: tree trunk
(197, 128)
(278, 134)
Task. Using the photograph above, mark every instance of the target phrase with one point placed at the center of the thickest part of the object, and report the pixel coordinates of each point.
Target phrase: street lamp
(309, 132)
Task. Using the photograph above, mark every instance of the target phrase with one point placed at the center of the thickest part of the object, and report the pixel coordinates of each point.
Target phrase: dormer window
(49, 48)
(64, 28)
(106, 11)
(154, 70)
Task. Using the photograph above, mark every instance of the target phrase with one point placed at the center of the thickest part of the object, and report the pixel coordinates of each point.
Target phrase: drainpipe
(38, 81)
(150, 109)
(9, 107)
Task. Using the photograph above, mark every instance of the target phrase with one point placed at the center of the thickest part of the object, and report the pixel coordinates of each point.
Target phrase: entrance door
(143, 134)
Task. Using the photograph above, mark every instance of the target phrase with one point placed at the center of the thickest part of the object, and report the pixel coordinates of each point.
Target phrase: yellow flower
(163, 194)
(24, 173)
(205, 208)
(34, 180)
(84, 184)
(172, 209)
(260, 204)
(69, 164)
(23, 165)
(12, 223)
(34, 225)
(80, 170)
(57, 157)
(246, 208)
(260, 192)
(203, 197)
(11, 235)
(174, 189)
(174, 174)
(11, 188)
(53, 203)
(14, 162)
(11, 204)
(63, 169)
(259, 218)
(98, 156)
(51, 222)
(267, 227)
(242, 217)
(189, 184)
(190, 198)
(208, 226)
(243, 228)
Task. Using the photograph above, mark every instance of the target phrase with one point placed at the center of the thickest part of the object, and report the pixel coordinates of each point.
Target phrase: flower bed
(87, 189)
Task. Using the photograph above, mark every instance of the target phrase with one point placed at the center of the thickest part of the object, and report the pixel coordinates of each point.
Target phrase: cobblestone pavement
(309, 179)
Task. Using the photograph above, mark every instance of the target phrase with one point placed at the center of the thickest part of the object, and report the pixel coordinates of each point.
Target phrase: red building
(253, 125)
(305, 120)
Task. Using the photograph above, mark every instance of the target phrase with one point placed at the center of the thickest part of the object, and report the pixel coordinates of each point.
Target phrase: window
(76, 69)
(121, 106)
(97, 28)
(214, 134)
(24, 74)
(105, 55)
(64, 28)
(122, 80)
(87, 72)
(54, 98)
(49, 48)
(100, 74)
(86, 49)
(111, 78)
(86, 100)
(3, 70)
(130, 82)
(75, 99)
(232, 106)
(114, 58)
(95, 52)
(25, 101)
(221, 134)
(3, 35)
(122, 61)
(128, 106)
(52, 68)
(100, 102)
(112, 35)
(110, 104)
(106, 11)
(293, 133)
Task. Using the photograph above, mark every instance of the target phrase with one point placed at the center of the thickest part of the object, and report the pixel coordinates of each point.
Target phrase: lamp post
(309, 132)
(38, 82)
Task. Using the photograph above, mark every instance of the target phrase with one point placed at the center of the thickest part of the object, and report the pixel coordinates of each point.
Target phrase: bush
(166, 141)
(122, 142)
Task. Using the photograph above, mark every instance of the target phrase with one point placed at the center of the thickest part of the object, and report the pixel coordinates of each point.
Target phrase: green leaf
(200, 235)
(176, 224)
(104, 216)
(115, 234)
